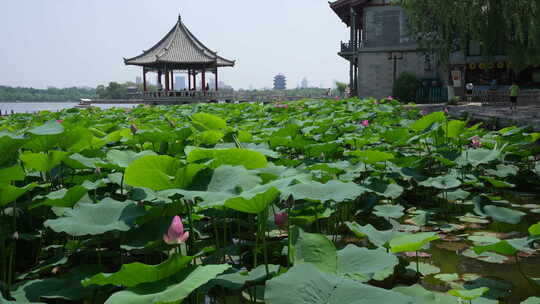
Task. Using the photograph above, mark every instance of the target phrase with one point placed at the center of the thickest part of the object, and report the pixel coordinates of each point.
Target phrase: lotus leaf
(423, 296)
(362, 264)
(43, 162)
(503, 214)
(332, 191)
(412, 242)
(170, 290)
(468, 294)
(324, 288)
(94, 219)
(137, 273)
(426, 121)
(9, 194)
(205, 121)
(376, 237)
(315, 249)
(389, 211)
(234, 157)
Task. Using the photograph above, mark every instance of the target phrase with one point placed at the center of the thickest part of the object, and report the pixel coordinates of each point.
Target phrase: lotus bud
(423, 112)
(281, 219)
(176, 234)
(59, 121)
(97, 171)
(365, 123)
(134, 128)
(390, 98)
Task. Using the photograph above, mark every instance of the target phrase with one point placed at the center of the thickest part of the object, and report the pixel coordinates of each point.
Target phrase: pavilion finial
(179, 17)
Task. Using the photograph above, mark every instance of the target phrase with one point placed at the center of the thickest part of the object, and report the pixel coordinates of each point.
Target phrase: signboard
(456, 78)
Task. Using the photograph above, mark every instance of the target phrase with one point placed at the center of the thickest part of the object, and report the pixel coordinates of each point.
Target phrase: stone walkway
(498, 116)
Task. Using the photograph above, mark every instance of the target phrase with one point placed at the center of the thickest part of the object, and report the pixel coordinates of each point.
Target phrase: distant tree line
(49, 94)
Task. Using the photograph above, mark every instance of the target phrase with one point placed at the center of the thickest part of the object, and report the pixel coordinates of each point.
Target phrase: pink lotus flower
(281, 219)
(390, 98)
(475, 142)
(176, 234)
(365, 123)
(423, 113)
(59, 121)
(445, 110)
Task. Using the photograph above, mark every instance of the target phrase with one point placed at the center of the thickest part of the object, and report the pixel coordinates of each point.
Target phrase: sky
(64, 43)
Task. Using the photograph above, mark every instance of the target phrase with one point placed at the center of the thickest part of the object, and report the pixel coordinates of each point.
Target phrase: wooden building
(180, 52)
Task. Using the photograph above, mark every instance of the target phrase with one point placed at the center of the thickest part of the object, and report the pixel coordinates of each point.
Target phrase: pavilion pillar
(160, 85)
(167, 80)
(216, 79)
(189, 80)
(203, 80)
(194, 80)
(172, 80)
(145, 88)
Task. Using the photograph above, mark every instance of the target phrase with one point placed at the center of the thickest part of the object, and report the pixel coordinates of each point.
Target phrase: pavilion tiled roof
(179, 47)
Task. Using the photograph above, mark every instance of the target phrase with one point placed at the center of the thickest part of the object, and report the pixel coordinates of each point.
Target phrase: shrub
(405, 87)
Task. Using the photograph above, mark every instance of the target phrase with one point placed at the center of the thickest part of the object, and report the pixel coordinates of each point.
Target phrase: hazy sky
(82, 42)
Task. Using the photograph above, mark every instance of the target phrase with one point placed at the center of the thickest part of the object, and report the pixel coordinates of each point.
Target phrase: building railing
(194, 94)
(350, 47)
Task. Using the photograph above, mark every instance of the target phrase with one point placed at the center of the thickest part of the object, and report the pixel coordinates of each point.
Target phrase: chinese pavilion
(179, 51)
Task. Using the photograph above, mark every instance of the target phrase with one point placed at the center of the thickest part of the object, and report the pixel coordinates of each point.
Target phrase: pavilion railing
(185, 94)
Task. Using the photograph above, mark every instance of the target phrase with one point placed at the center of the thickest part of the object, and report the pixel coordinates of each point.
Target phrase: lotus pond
(351, 201)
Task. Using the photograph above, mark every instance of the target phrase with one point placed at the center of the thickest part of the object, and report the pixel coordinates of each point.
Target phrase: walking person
(514, 93)
(469, 87)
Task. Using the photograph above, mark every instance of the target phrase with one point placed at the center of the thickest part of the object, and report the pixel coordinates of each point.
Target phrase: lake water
(31, 107)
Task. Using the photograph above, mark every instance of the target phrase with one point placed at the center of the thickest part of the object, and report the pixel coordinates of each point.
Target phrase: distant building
(280, 82)
(223, 86)
(304, 83)
(180, 83)
(138, 80)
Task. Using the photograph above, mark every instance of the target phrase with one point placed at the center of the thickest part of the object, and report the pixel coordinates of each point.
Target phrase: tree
(405, 87)
(445, 26)
(280, 82)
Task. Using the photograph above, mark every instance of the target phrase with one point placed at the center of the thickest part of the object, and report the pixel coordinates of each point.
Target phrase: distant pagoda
(180, 51)
(280, 82)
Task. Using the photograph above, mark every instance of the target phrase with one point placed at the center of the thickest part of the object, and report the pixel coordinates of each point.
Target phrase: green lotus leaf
(15, 173)
(426, 121)
(532, 300)
(503, 171)
(234, 157)
(78, 161)
(9, 194)
(9, 145)
(502, 247)
(444, 182)
(389, 211)
(170, 290)
(424, 268)
(372, 156)
(468, 294)
(503, 214)
(332, 191)
(237, 280)
(412, 242)
(534, 230)
(325, 288)
(209, 137)
(423, 296)
(454, 128)
(376, 237)
(94, 219)
(123, 158)
(205, 121)
(64, 197)
(497, 183)
(43, 162)
(476, 157)
(397, 136)
(253, 204)
(362, 264)
(133, 274)
(49, 128)
(230, 179)
(389, 190)
(315, 249)
(447, 277)
(157, 172)
(487, 256)
(66, 287)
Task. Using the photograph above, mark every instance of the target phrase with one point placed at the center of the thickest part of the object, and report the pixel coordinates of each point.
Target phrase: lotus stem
(417, 264)
(122, 184)
(264, 221)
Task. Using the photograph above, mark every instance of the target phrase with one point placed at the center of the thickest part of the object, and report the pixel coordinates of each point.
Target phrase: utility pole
(395, 56)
